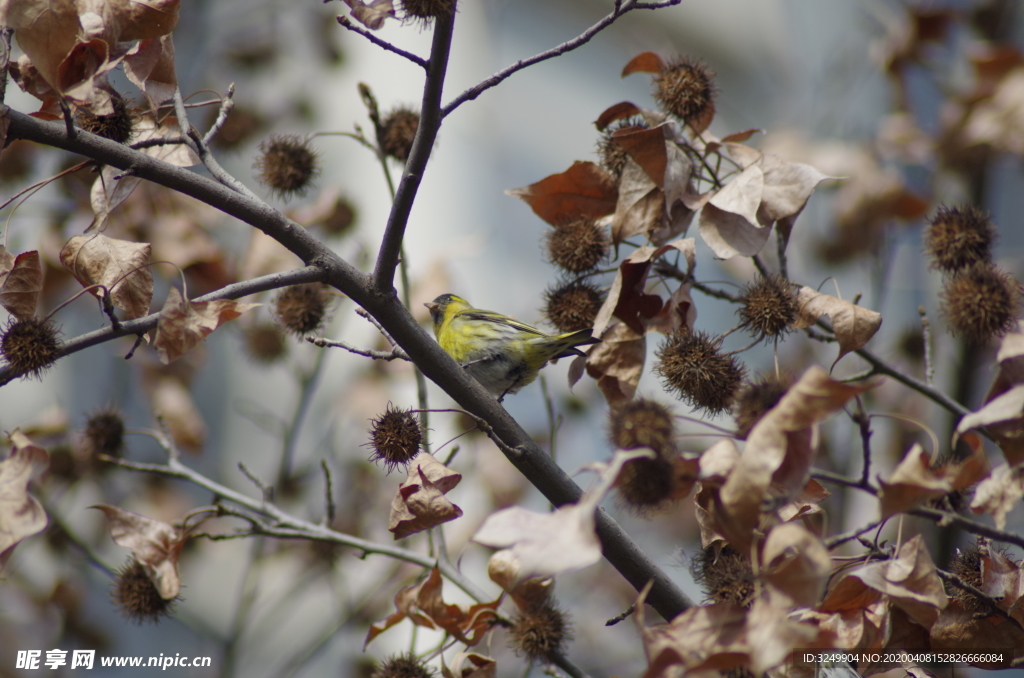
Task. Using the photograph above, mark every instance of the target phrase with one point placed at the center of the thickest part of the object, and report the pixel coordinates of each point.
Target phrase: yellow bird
(500, 352)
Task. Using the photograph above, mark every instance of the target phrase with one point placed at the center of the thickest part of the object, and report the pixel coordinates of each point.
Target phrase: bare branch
(143, 325)
(226, 107)
(582, 39)
(347, 23)
(394, 353)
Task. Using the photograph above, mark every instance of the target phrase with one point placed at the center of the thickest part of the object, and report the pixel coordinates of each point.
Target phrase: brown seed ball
(104, 433)
(287, 165)
(541, 632)
(645, 485)
(577, 246)
(573, 306)
(725, 575)
(686, 89)
(959, 237)
(643, 423)
(980, 302)
(265, 343)
(966, 564)
(613, 156)
(769, 307)
(403, 666)
(756, 398)
(395, 437)
(137, 596)
(398, 132)
(692, 364)
(117, 126)
(30, 346)
(426, 10)
(302, 309)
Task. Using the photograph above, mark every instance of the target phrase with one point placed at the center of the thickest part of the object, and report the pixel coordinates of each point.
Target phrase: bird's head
(444, 306)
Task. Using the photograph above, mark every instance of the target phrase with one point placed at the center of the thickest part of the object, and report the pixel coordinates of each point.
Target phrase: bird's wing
(490, 316)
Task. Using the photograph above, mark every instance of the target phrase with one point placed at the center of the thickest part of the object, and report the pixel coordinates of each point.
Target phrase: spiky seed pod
(137, 596)
(643, 423)
(577, 246)
(980, 302)
(30, 346)
(725, 575)
(966, 564)
(613, 156)
(540, 632)
(403, 666)
(265, 343)
(287, 164)
(691, 363)
(958, 237)
(427, 10)
(104, 433)
(769, 307)
(686, 89)
(573, 306)
(645, 485)
(117, 126)
(756, 398)
(302, 309)
(395, 437)
(341, 218)
(398, 132)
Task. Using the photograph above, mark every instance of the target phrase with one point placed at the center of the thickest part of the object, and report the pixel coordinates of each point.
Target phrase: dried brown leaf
(471, 665)
(914, 481)
(119, 265)
(619, 111)
(149, 65)
(584, 191)
(959, 629)
(617, 363)
(647, 62)
(910, 580)
(796, 564)
(21, 515)
(853, 325)
(420, 503)
(21, 284)
(45, 31)
(999, 493)
(729, 221)
(640, 206)
(547, 544)
(155, 544)
(779, 451)
(373, 13)
(183, 324)
(172, 402)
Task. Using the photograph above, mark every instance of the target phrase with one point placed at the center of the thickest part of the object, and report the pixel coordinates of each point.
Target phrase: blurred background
(869, 91)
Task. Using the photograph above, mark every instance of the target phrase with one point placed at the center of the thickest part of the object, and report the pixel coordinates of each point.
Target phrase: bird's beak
(432, 306)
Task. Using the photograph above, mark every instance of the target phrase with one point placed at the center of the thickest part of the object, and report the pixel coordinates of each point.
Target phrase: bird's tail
(573, 339)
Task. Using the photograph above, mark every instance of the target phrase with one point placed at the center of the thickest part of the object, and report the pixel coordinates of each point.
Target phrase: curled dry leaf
(423, 605)
(853, 325)
(914, 481)
(796, 564)
(617, 363)
(172, 402)
(21, 281)
(21, 514)
(149, 66)
(504, 569)
(857, 615)
(584, 191)
(960, 628)
(1000, 493)
(647, 62)
(910, 580)
(471, 665)
(121, 266)
(183, 324)
(155, 544)
(546, 544)
(371, 14)
(777, 458)
(420, 503)
(619, 111)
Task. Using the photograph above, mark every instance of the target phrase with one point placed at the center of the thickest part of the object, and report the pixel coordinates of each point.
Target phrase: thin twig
(863, 422)
(226, 106)
(839, 539)
(926, 337)
(347, 23)
(5, 59)
(395, 353)
(161, 141)
(307, 389)
(328, 492)
(267, 492)
(582, 39)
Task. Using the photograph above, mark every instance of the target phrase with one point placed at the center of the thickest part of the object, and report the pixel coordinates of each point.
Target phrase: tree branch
(142, 325)
(422, 146)
(579, 41)
(347, 23)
